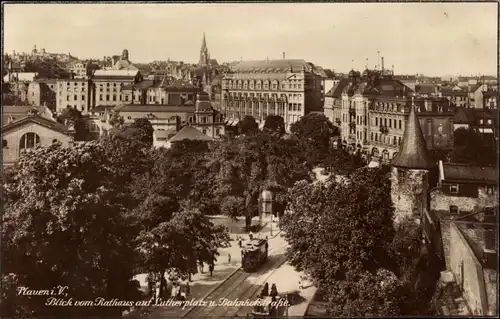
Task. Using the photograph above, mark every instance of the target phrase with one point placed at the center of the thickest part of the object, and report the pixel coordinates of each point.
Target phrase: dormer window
(454, 189)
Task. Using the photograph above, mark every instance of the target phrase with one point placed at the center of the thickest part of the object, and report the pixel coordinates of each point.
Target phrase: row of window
(74, 84)
(394, 140)
(258, 85)
(390, 123)
(27, 141)
(75, 97)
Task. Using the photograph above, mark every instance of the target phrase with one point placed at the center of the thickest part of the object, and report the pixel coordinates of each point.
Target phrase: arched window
(252, 85)
(266, 85)
(29, 141)
(275, 85)
(4, 144)
(259, 85)
(245, 85)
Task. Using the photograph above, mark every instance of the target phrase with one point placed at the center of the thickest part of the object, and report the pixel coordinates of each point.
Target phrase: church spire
(413, 153)
(204, 43)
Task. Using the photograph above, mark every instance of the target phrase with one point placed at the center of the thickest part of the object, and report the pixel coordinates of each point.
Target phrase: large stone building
(288, 88)
(371, 110)
(74, 93)
(108, 84)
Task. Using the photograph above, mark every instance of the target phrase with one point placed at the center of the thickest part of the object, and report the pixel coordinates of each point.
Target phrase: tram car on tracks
(253, 254)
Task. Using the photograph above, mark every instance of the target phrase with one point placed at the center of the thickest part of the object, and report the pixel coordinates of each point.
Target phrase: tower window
(453, 210)
(454, 189)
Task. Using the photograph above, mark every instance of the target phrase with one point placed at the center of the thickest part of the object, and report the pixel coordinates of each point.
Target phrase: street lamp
(267, 205)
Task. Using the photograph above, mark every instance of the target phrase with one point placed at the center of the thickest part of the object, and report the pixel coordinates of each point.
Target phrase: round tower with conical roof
(410, 173)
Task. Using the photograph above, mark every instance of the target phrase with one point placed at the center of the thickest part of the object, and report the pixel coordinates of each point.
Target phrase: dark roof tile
(458, 172)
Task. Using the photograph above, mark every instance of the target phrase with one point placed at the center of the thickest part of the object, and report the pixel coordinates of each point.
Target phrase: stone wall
(467, 269)
(441, 202)
(409, 189)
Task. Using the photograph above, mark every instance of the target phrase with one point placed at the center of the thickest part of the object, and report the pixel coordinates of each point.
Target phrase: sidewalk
(203, 284)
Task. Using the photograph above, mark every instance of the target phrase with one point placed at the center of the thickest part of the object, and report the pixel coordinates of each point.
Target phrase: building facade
(288, 88)
(108, 84)
(30, 132)
(74, 93)
(43, 92)
(372, 109)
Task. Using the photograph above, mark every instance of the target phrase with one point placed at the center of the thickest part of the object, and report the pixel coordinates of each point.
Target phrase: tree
(64, 219)
(472, 147)
(73, 116)
(47, 68)
(116, 120)
(341, 162)
(274, 124)
(341, 234)
(316, 129)
(142, 130)
(248, 126)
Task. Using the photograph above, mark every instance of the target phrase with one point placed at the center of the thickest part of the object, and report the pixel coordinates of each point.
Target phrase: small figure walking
(250, 235)
(240, 242)
(228, 258)
(200, 264)
(188, 289)
(211, 269)
(274, 292)
(265, 290)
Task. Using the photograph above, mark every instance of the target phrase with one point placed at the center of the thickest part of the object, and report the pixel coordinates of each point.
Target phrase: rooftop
(190, 133)
(38, 120)
(115, 73)
(469, 173)
(413, 152)
(156, 108)
(277, 66)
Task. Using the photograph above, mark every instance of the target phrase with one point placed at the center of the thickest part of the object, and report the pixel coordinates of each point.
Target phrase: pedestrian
(173, 292)
(274, 292)
(240, 242)
(250, 235)
(229, 258)
(200, 263)
(188, 289)
(211, 269)
(265, 290)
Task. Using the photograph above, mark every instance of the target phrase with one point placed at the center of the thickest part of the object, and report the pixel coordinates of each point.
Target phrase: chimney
(283, 55)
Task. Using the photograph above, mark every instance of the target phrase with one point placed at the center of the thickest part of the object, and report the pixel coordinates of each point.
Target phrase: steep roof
(190, 133)
(329, 73)
(413, 153)
(17, 112)
(38, 120)
(336, 91)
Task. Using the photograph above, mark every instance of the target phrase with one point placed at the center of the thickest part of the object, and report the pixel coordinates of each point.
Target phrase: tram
(253, 254)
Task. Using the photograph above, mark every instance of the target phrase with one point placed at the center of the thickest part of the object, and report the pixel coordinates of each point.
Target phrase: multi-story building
(78, 70)
(43, 92)
(74, 93)
(108, 84)
(288, 88)
(371, 111)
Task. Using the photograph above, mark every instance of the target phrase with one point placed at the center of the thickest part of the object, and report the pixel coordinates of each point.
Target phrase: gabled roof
(17, 112)
(40, 121)
(190, 133)
(180, 86)
(329, 73)
(413, 152)
(469, 173)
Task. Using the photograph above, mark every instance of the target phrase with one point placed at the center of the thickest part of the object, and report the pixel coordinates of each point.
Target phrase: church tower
(204, 55)
(410, 173)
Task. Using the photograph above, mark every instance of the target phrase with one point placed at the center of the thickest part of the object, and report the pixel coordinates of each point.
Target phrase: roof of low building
(470, 173)
(425, 88)
(38, 120)
(156, 108)
(329, 73)
(101, 108)
(413, 153)
(190, 133)
(115, 73)
(17, 112)
(22, 76)
(464, 115)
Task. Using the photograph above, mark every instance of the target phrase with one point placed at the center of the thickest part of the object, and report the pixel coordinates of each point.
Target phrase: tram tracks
(237, 287)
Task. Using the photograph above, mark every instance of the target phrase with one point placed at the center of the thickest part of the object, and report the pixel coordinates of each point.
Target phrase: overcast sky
(429, 38)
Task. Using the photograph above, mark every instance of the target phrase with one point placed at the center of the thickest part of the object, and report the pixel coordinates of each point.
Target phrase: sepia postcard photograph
(249, 159)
